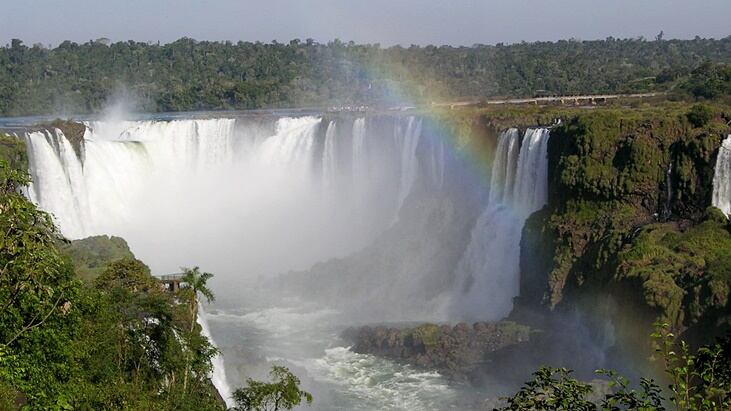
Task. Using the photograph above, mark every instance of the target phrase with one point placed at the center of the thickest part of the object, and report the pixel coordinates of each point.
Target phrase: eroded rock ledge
(458, 352)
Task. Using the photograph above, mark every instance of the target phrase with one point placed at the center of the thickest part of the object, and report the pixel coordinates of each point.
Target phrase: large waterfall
(488, 274)
(259, 184)
(722, 178)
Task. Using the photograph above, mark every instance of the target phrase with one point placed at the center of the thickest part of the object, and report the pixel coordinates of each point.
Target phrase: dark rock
(456, 351)
(73, 130)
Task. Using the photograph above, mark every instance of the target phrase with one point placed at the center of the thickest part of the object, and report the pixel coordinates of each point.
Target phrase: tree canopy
(283, 393)
(194, 75)
(118, 342)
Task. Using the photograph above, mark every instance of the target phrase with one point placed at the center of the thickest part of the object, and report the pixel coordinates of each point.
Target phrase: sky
(389, 22)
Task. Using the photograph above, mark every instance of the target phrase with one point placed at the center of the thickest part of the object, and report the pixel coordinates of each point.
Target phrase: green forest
(187, 74)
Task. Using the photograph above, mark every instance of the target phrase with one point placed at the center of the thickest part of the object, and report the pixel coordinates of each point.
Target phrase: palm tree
(195, 282)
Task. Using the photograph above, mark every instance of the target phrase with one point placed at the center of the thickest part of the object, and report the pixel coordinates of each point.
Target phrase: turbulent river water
(375, 198)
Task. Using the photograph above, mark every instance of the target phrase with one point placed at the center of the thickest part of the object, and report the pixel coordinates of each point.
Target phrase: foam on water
(305, 339)
(382, 384)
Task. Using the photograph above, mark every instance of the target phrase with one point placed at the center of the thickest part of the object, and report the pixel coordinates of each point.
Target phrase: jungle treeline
(187, 74)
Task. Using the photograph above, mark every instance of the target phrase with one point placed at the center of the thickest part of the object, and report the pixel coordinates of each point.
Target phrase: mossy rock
(684, 273)
(90, 256)
(628, 215)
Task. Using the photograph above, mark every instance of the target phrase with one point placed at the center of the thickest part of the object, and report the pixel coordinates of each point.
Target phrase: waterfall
(236, 181)
(438, 165)
(408, 142)
(218, 374)
(667, 207)
(58, 186)
(119, 160)
(360, 158)
(488, 275)
(722, 178)
(292, 142)
(329, 157)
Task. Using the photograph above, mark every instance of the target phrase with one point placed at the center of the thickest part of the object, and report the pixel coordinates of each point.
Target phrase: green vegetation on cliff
(91, 255)
(684, 274)
(13, 151)
(120, 342)
(627, 217)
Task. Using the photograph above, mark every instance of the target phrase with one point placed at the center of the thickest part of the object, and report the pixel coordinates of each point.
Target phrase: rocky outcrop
(627, 220)
(73, 131)
(459, 352)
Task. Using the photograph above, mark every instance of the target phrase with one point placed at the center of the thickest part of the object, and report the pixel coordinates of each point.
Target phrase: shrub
(699, 115)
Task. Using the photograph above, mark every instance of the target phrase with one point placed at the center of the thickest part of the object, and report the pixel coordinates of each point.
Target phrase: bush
(282, 394)
(699, 115)
(698, 382)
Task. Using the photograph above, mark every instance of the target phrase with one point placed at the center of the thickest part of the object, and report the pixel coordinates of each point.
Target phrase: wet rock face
(456, 351)
(72, 130)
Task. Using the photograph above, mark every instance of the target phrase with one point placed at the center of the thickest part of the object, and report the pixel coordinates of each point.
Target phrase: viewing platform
(171, 281)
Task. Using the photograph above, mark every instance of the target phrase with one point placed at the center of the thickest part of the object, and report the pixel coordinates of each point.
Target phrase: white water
(488, 276)
(140, 179)
(722, 178)
(407, 143)
(329, 157)
(305, 339)
(218, 375)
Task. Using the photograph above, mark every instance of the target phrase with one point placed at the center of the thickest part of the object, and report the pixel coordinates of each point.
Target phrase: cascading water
(488, 273)
(218, 375)
(437, 165)
(329, 157)
(359, 162)
(407, 143)
(722, 178)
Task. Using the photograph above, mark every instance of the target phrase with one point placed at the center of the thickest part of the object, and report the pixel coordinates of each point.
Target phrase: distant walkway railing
(563, 100)
(171, 281)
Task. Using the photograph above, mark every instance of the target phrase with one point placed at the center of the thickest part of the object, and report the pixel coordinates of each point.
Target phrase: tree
(283, 393)
(189, 75)
(552, 389)
(118, 342)
(38, 295)
(697, 383)
(699, 115)
(195, 283)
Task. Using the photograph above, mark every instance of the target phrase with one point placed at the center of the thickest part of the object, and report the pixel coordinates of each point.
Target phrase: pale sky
(455, 22)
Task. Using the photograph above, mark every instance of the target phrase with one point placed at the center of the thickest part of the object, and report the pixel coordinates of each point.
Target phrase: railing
(171, 277)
